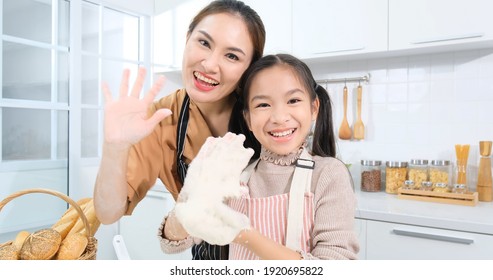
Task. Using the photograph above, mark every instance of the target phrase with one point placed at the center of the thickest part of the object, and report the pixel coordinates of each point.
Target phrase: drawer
(387, 241)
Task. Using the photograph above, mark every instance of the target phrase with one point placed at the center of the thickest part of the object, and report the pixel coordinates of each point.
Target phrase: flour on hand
(213, 177)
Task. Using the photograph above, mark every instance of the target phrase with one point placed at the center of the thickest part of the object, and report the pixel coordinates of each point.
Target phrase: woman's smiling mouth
(205, 80)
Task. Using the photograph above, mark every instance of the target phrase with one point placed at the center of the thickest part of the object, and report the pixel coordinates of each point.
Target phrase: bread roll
(72, 247)
(41, 245)
(9, 252)
(69, 218)
(20, 238)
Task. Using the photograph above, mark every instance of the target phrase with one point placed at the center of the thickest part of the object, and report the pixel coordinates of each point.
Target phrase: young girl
(300, 205)
(281, 101)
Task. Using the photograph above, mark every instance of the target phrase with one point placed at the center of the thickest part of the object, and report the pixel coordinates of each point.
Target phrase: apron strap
(180, 138)
(301, 183)
(247, 172)
(203, 250)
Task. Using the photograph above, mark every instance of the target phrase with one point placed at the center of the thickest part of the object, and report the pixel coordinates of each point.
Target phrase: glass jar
(441, 188)
(440, 172)
(409, 185)
(395, 175)
(371, 175)
(418, 171)
(459, 188)
(426, 186)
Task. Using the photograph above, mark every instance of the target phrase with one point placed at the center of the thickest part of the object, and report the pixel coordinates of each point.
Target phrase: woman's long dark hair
(323, 135)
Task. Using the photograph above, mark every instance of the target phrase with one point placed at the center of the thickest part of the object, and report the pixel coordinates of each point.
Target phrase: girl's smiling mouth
(285, 133)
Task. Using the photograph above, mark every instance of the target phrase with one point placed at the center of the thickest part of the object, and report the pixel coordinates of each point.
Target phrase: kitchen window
(55, 54)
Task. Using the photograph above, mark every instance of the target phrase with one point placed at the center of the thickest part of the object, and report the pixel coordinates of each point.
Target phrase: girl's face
(280, 112)
(216, 54)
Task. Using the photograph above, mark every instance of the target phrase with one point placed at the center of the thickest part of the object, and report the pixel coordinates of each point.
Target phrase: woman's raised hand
(125, 120)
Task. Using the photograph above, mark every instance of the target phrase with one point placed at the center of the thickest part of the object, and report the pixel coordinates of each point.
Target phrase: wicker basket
(91, 248)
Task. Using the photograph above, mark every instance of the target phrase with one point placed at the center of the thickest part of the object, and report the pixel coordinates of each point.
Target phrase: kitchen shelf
(469, 198)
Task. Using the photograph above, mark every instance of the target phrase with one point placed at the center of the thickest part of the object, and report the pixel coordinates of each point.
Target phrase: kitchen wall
(416, 106)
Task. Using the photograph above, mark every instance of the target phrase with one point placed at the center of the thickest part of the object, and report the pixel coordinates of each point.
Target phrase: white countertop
(385, 207)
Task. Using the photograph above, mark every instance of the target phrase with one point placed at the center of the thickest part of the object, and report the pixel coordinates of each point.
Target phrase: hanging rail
(345, 80)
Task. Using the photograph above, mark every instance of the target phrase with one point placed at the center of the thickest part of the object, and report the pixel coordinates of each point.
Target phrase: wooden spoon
(345, 130)
(359, 127)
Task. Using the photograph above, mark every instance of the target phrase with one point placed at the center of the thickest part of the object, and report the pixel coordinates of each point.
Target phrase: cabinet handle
(448, 38)
(453, 239)
(343, 50)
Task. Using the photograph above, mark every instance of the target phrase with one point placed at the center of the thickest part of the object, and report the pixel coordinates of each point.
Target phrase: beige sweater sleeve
(333, 234)
(173, 247)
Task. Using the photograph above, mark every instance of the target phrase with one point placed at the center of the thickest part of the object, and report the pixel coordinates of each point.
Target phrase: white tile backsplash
(416, 106)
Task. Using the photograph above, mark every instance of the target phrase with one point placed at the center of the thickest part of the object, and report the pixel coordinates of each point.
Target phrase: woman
(145, 141)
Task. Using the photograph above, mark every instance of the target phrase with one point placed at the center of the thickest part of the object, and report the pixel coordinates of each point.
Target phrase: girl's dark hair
(323, 136)
(256, 31)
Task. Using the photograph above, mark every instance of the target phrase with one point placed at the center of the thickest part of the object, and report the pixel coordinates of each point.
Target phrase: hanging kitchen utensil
(345, 130)
(359, 127)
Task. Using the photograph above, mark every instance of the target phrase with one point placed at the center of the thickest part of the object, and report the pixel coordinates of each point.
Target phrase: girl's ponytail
(323, 137)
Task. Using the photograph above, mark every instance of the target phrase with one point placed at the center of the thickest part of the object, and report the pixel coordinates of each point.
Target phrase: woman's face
(280, 112)
(216, 54)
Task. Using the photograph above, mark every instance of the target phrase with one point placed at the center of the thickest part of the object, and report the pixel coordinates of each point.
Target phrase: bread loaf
(72, 247)
(9, 252)
(41, 245)
(69, 218)
(20, 238)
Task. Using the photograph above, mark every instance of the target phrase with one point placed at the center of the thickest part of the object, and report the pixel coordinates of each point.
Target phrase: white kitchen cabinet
(360, 228)
(139, 230)
(433, 23)
(276, 16)
(339, 27)
(388, 241)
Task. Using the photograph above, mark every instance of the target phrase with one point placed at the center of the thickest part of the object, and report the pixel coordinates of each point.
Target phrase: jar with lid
(441, 188)
(418, 171)
(371, 175)
(459, 188)
(409, 185)
(395, 175)
(426, 186)
(440, 172)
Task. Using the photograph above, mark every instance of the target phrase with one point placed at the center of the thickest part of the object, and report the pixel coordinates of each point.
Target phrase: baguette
(94, 222)
(69, 218)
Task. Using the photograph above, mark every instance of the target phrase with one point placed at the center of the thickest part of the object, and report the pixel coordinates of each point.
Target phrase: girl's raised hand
(125, 120)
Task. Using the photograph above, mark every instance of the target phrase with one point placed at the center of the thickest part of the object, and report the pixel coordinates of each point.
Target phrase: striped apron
(285, 218)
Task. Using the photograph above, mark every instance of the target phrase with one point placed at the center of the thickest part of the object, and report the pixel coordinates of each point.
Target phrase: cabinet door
(140, 229)
(276, 16)
(360, 228)
(337, 27)
(428, 23)
(389, 241)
